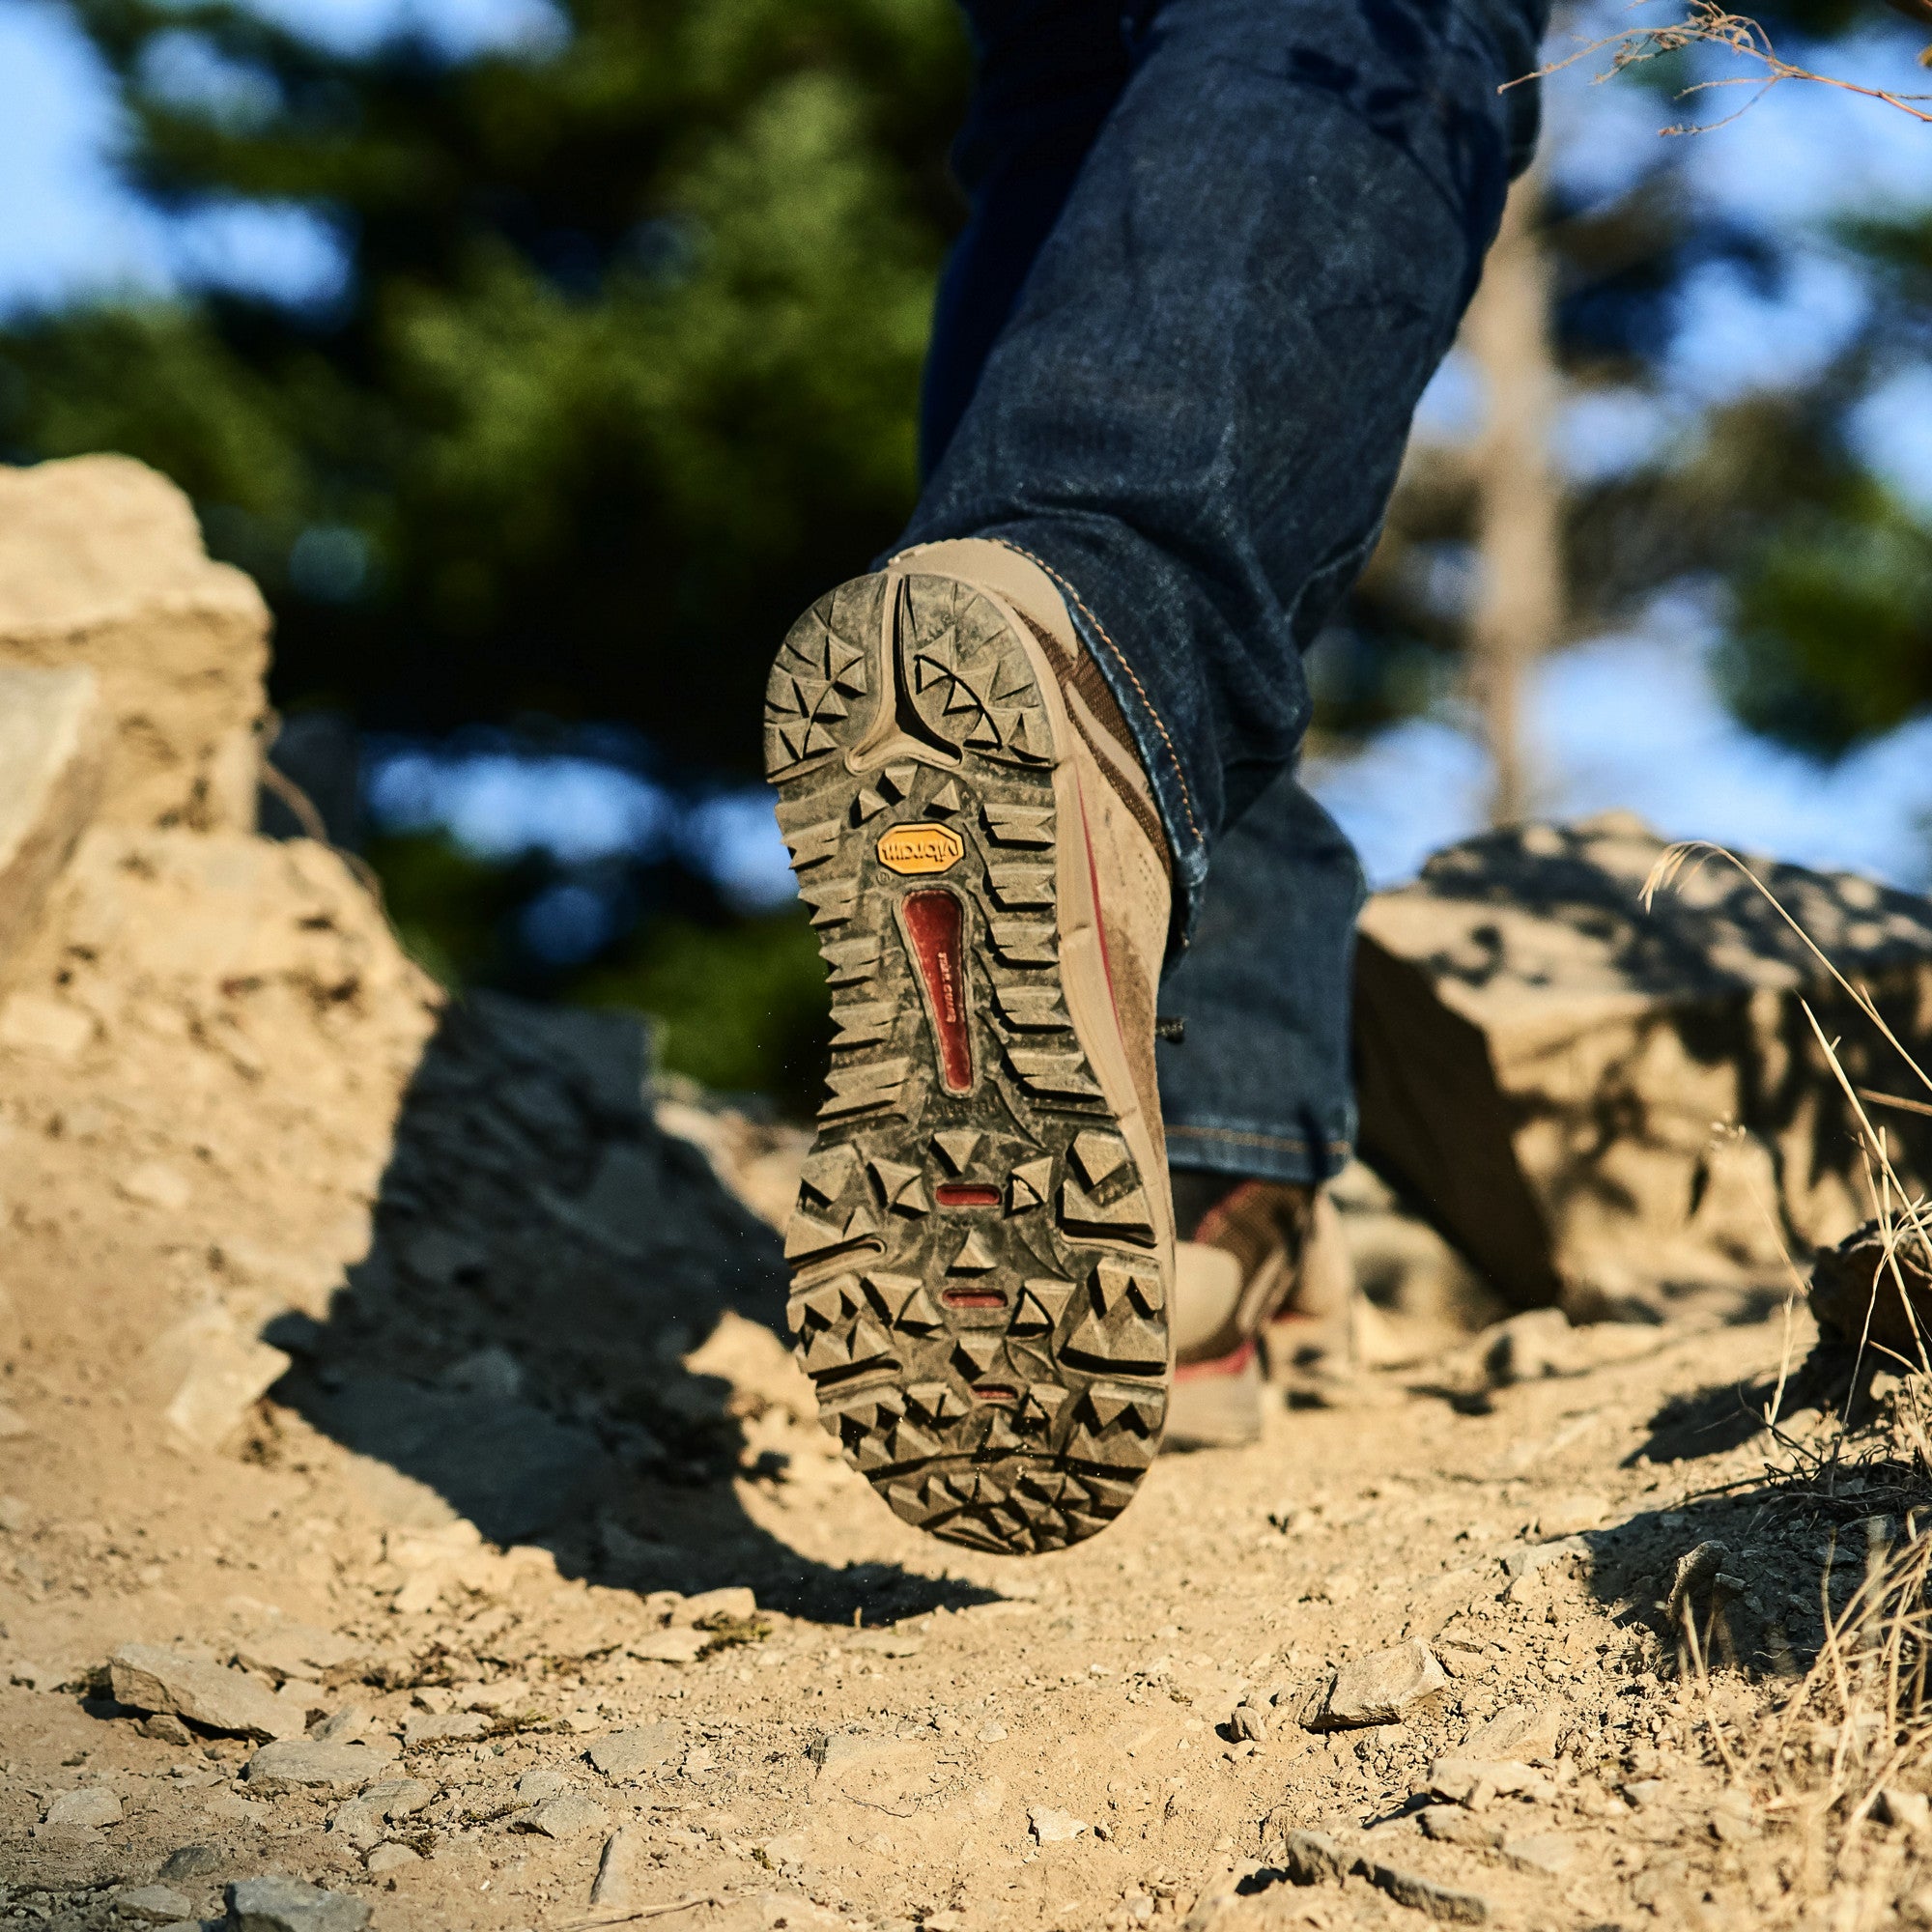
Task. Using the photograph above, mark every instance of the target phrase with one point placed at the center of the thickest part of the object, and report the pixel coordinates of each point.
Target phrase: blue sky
(1629, 720)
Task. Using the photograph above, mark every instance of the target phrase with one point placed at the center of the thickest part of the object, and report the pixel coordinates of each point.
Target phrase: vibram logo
(922, 848)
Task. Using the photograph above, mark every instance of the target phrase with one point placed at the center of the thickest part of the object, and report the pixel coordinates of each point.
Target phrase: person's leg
(1193, 413)
(1001, 758)
(1259, 1109)
(1258, 1086)
(1048, 73)
(1195, 422)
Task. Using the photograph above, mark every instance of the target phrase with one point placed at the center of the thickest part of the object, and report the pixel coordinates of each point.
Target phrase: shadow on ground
(1754, 1561)
(510, 1351)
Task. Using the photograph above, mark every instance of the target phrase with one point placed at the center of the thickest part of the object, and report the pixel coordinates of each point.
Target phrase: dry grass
(1857, 1725)
(1707, 24)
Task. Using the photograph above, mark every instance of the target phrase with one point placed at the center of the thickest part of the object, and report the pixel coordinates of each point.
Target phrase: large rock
(153, 1677)
(51, 758)
(1543, 1060)
(102, 564)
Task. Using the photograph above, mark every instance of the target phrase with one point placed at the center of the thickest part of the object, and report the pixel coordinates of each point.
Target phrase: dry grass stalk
(1705, 23)
(1858, 1720)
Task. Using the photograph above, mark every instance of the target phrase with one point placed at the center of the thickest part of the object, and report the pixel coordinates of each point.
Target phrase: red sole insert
(934, 925)
(965, 1194)
(973, 1297)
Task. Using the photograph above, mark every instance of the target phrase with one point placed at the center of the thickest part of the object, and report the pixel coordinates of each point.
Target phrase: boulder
(1877, 1288)
(1591, 1099)
(52, 753)
(102, 565)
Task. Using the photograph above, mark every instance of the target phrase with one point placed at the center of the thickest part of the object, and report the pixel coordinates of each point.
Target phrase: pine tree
(624, 372)
(1825, 575)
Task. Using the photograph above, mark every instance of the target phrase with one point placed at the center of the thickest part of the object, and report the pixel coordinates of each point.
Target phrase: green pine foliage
(625, 372)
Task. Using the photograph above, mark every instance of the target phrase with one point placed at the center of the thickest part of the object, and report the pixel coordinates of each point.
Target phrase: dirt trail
(405, 1490)
(484, 1463)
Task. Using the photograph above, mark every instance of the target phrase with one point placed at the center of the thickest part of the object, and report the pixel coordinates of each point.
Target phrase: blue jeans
(1216, 249)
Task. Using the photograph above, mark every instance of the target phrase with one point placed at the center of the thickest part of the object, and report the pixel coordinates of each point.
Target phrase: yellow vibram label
(921, 848)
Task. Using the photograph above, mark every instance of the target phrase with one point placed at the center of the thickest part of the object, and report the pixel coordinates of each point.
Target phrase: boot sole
(980, 1290)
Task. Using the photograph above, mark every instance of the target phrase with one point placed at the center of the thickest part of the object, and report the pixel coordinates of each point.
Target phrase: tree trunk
(1519, 606)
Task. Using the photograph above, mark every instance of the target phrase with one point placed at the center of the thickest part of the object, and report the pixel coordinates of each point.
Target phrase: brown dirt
(528, 1402)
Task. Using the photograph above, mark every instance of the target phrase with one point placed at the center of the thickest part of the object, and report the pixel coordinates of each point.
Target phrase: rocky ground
(408, 1514)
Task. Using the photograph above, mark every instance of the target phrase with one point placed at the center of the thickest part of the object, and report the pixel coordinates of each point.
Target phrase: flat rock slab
(94, 1806)
(1464, 1780)
(883, 1643)
(218, 1372)
(52, 744)
(569, 1814)
(1445, 1902)
(150, 1677)
(1379, 1689)
(287, 1905)
(1054, 1828)
(154, 1905)
(1545, 1852)
(732, 1605)
(616, 1886)
(297, 1650)
(624, 1754)
(301, 1764)
(875, 1768)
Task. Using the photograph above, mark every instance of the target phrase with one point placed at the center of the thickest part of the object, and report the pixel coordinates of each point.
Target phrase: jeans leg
(1259, 1086)
(1048, 74)
(1193, 413)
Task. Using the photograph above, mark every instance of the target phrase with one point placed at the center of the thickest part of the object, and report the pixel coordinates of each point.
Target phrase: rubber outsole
(977, 1294)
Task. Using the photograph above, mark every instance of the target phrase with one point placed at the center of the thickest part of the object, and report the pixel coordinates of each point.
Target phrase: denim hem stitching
(1248, 1138)
(1120, 658)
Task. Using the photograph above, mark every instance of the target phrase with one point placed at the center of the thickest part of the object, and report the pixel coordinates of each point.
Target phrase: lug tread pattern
(996, 1370)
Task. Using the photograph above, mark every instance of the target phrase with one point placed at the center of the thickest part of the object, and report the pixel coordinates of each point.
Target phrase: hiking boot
(983, 1242)
(1264, 1269)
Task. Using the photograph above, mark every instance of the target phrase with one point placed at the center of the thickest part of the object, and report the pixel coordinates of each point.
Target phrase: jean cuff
(1252, 1152)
